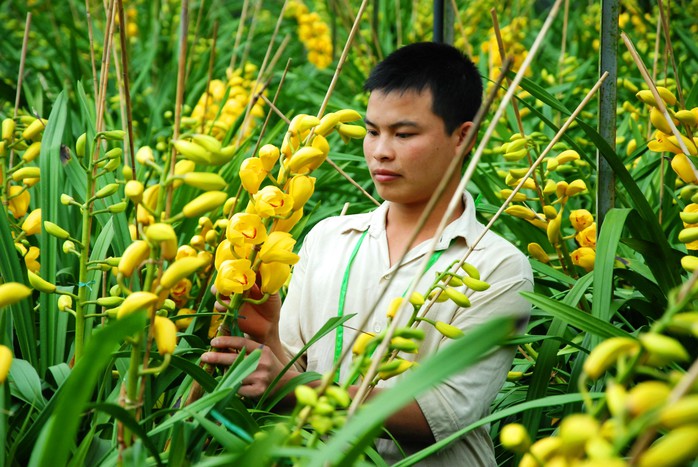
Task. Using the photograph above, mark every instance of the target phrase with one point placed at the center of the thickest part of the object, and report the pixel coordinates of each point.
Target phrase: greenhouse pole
(443, 21)
(605, 186)
(438, 20)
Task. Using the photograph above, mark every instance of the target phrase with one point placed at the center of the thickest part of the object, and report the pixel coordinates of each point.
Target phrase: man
(422, 102)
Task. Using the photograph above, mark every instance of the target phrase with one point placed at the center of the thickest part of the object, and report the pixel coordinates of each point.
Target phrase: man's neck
(402, 219)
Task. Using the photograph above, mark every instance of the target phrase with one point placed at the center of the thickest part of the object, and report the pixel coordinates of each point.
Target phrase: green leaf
(459, 355)
(58, 435)
(574, 316)
(25, 383)
(53, 326)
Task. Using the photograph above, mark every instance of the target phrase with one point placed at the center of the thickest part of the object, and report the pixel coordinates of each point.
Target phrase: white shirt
(313, 298)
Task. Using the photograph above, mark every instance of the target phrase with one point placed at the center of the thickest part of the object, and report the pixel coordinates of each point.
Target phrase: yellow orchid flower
(252, 174)
(661, 143)
(30, 259)
(587, 237)
(301, 188)
(581, 219)
(584, 257)
(18, 201)
(32, 224)
(274, 276)
(279, 248)
(234, 276)
(272, 202)
(224, 252)
(246, 228)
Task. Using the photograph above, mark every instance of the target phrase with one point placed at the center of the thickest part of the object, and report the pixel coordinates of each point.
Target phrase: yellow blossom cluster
(257, 239)
(215, 116)
(314, 33)
(23, 136)
(552, 195)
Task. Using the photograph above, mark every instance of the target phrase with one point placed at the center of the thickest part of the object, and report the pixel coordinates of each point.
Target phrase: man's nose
(382, 148)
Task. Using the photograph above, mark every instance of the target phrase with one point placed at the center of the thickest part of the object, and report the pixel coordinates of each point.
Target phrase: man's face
(407, 148)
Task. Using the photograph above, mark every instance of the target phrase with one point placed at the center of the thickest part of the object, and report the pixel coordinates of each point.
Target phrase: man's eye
(403, 135)
(371, 132)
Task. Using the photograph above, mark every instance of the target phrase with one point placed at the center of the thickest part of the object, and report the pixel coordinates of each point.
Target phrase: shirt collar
(466, 226)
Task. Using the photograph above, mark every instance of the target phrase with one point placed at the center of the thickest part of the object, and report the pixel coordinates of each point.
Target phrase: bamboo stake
(179, 98)
(364, 388)
(670, 50)
(660, 103)
(209, 75)
(126, 87)
(238, 34)
(20, 81)
(90, 36)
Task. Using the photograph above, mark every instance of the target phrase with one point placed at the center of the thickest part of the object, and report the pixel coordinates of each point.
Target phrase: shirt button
(387, 277)
(377, 328)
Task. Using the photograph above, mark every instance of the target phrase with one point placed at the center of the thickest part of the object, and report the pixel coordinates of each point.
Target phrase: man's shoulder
(338, 225)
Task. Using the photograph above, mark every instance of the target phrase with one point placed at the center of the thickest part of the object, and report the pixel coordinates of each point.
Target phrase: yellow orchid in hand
(234, 276)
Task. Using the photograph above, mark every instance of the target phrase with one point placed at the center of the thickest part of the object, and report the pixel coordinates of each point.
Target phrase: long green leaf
(458, 356)
(53, 325)
(58, 435)
(574, 316)
(606, 247)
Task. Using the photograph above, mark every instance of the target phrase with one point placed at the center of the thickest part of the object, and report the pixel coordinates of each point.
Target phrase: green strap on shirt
(339, 335)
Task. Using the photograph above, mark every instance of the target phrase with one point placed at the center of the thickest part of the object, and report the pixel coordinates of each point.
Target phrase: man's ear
(462, 132)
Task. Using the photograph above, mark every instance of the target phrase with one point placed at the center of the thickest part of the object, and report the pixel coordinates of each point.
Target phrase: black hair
(452, 78)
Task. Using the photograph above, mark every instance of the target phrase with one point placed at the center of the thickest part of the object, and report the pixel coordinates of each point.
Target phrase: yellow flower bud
(137, 301)
(34, 129)
(40, 284)
(448, 330)
(180, 269)
(301, 188)
(165, 335)
(13, 292)
(394, 306)
(135, 254)
(55, 230)
(65, 302)
(515, 438)
(204, 203)
(536, 251)
(134, 190)
(576, 187)
(5, 362)
(32, 224)
(274, 276)
(268, 155)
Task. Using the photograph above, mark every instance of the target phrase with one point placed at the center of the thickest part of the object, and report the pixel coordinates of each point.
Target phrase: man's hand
(267, 370)
(260, 322)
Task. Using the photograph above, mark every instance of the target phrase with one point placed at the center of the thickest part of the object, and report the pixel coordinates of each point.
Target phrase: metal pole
(448, 22)
(605, 190)
(438, 20)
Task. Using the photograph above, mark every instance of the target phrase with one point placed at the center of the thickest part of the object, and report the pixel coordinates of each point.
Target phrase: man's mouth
(382, 175)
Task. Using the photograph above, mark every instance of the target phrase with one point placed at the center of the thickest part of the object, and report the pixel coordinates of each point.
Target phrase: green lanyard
(339, 336)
